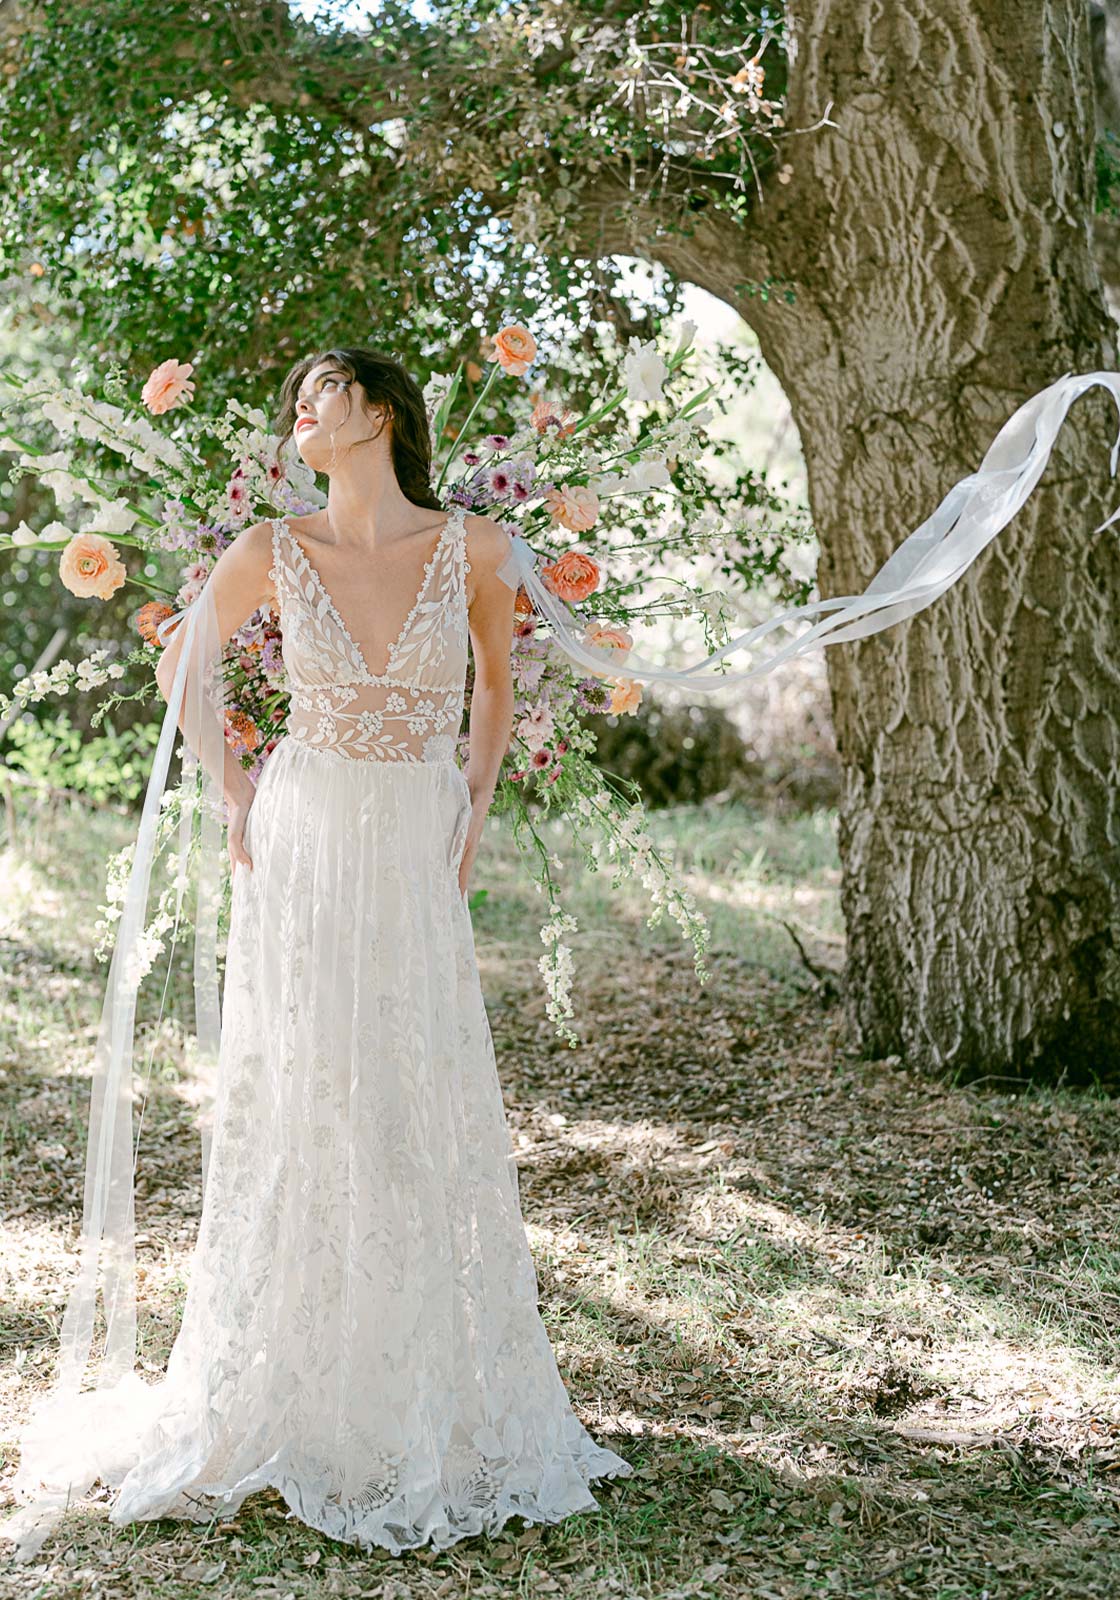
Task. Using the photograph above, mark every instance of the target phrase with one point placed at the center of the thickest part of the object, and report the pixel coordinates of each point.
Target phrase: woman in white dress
(361, 1329)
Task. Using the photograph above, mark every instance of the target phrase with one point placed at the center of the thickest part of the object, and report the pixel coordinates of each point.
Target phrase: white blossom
(111, 517)
(688, 332)
(644, 370)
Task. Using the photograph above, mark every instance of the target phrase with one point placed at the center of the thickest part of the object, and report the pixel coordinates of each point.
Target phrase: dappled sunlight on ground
(857, 1332)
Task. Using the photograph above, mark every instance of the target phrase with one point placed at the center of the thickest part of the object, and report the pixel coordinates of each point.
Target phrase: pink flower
(535, 727)
(514, 349)
(626, 696)
(91, 568)
(167, 384)
(540, 758)
(574, 506)
(609, 636)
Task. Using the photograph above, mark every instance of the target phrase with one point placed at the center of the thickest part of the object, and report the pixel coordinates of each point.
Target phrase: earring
(334, 451)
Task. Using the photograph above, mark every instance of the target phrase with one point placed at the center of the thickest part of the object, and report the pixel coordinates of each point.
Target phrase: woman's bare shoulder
(248, 560)
(487, 542)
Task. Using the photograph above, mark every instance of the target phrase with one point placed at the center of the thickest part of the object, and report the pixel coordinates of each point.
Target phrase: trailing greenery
(106, 767)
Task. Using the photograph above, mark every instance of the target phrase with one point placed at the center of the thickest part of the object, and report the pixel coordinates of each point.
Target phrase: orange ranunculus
(547, 414)
(473, 371)
(522, 605)
(167, 384)
(514, 349)
(149, 617)
(609, 636)
(90, 567)
(626, 696)
(573, 577)
(245, 728)
(575, 507)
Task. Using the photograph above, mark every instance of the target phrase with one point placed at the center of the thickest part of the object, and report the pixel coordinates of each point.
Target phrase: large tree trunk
(950, 277)
(938, 240)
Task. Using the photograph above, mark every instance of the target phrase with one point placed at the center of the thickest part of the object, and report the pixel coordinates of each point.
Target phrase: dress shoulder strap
(281, 552)
(461, 538)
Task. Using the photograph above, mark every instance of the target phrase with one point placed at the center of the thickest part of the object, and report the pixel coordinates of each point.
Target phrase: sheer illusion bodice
(409, 712)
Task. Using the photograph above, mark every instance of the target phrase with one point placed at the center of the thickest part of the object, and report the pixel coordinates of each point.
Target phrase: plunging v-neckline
(421, 594)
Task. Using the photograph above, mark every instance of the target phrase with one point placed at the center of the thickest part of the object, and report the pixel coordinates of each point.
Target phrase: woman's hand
(470, 848)
(238, 815)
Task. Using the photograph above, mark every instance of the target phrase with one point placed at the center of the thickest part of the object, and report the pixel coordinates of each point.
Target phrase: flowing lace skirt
(361, 1329)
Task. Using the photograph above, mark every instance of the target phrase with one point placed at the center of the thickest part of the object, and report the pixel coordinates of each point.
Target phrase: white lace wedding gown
(361, 1329)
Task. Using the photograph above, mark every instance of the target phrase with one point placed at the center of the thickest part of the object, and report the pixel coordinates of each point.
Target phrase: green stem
(483, 392)
(152, 588)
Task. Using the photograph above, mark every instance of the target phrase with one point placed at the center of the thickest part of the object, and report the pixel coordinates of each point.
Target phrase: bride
(361, 1330)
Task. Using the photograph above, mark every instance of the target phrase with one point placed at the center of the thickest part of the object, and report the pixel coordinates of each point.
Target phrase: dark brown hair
(386, 383)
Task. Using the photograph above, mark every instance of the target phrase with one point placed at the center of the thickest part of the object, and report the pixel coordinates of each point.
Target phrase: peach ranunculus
(548, 415)
(167, 384)
(514, 349)
(626, 696)
(572, 577)
(609, 636)
(90, 567)
(575, 506)
(522, 604)
(149, 617)
(242, 726)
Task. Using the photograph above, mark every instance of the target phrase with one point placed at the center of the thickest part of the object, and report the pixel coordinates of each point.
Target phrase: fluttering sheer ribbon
(923, 566)
(73, 1435)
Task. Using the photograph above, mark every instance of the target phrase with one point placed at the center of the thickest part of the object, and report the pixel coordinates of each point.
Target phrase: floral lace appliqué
(410, 712)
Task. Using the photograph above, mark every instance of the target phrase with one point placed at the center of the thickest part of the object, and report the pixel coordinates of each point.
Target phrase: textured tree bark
(938, 239)
(949, 277)
(939, 242)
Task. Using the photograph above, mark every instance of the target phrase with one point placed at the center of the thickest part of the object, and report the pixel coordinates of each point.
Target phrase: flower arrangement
(549, 481)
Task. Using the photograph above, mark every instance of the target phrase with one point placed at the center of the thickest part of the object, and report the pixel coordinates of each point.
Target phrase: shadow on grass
(854, 1331)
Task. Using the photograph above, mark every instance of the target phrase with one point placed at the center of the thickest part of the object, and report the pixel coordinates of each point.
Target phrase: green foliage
(238, 187)
(185, 181)
(681, 755)
(110, 766)
(1107, 168)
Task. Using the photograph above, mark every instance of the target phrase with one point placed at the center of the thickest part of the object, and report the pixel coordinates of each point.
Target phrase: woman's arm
(490, 612)
(239, 584)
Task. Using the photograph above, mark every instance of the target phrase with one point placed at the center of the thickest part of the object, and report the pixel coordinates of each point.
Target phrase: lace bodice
(409, 712)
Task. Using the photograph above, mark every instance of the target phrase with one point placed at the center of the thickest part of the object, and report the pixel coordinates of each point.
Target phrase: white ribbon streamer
(924, 565)
(69, 1439)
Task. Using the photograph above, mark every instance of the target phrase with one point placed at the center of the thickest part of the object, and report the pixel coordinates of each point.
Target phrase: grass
(857, 1332)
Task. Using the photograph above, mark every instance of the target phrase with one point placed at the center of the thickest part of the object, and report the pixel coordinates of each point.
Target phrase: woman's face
(323, 430)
